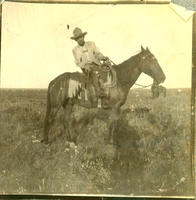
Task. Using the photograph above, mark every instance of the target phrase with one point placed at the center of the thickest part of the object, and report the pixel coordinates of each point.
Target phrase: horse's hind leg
(46, 124)
(67, 119)
(46, 130)
(49, 120)
(165, 92)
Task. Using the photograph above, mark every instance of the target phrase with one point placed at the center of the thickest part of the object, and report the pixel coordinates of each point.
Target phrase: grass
(150, 155)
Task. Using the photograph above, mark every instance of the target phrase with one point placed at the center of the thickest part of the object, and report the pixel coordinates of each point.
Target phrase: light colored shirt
(87, 54)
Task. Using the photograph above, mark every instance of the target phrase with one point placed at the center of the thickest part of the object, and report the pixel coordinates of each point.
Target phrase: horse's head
(150, 66)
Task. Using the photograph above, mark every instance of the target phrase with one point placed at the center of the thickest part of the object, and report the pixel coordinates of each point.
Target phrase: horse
(127, 72)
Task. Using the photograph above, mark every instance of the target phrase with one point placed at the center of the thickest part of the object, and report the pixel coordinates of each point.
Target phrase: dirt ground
(150, 154)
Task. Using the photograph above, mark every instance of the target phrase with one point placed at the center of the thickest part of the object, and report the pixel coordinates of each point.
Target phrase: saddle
(106, 75)
(81, 86)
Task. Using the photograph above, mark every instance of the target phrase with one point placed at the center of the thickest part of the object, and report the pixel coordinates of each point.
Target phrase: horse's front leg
(120, 102)
(112, 129)
(115, 117)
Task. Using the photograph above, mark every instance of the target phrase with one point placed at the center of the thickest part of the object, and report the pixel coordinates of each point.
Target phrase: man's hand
(88, 66)
(105, 58)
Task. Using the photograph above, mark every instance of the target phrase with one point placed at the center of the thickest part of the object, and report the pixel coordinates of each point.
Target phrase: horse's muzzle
(161, 78)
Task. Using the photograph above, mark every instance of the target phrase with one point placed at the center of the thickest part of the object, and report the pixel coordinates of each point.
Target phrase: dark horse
(126, 75)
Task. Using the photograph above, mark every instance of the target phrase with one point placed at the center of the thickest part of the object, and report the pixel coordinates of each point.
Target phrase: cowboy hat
(77, 33)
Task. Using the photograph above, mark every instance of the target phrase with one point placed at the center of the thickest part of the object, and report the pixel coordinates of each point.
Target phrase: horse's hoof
(44, 141)
(107, 140)
(105, 107)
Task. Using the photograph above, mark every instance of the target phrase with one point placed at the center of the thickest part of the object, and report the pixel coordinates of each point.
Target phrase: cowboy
(87, 56)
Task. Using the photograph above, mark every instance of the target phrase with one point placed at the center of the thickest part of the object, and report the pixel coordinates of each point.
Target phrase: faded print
(140, 145)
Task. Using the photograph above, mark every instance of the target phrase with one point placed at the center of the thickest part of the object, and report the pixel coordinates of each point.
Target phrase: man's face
(80, 41)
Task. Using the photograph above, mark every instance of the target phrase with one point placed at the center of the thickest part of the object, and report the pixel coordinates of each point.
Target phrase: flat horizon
(47, 88)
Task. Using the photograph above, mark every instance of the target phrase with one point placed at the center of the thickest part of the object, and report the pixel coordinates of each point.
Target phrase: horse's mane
(126, 69)
(130, 61)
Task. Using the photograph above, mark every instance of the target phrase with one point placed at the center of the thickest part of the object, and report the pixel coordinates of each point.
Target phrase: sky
(36, 44)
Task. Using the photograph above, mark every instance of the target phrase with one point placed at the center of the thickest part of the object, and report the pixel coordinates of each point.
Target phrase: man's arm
(78, 59)
(97, 53)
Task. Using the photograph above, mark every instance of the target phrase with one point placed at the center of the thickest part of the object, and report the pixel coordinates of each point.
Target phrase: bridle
(142, 59)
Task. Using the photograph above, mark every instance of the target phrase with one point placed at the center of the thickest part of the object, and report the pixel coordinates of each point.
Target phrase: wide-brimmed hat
(77, 33)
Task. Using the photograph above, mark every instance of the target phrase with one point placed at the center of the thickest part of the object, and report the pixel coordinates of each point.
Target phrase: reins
(143, 86)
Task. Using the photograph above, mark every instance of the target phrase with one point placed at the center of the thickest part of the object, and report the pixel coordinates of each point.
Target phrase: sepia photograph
(96, 100)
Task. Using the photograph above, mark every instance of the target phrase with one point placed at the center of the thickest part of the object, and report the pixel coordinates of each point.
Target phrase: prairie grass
(150, 154)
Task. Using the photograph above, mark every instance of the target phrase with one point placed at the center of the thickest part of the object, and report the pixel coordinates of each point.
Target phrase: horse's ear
(142, 48)
(147, 49)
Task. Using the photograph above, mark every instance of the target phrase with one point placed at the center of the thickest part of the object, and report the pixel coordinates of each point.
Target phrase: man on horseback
(88, 57)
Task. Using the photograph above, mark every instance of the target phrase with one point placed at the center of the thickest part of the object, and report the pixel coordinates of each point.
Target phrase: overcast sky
(36, 44)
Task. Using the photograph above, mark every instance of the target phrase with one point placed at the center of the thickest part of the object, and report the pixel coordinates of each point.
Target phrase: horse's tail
(48, 107)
